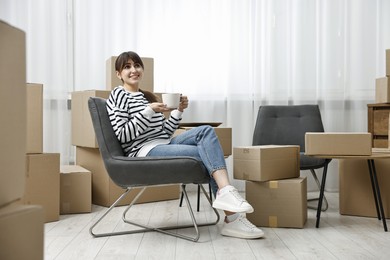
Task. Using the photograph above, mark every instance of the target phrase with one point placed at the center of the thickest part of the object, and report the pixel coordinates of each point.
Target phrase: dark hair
(124, 57)
(120, 63)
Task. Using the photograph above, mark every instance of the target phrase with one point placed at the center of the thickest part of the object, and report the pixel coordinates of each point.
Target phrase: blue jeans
(200, 142)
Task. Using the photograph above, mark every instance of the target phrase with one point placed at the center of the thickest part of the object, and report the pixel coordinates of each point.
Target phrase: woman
(137, 119)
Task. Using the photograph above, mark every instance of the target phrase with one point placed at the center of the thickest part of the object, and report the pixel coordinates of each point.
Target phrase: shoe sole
(227, 207)
(237, 235)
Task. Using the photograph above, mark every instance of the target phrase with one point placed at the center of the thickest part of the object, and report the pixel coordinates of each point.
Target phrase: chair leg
(198, 198)
(210, 194)
(181, 198)
(198, 201)
(146, 228)
(325, 208)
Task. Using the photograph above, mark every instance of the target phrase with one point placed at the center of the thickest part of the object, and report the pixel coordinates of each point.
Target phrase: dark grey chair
(130, 172)
(287, 125)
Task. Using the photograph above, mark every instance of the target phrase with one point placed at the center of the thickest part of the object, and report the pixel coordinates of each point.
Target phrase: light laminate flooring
(338, 237)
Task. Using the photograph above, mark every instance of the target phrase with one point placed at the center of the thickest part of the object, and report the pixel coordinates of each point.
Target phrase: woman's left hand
(183, 103)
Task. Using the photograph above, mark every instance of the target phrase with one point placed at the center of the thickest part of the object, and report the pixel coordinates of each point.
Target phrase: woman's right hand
(159, 107)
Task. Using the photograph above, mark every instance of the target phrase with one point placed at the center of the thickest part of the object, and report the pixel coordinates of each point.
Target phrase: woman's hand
(159, 107)
(183, 103)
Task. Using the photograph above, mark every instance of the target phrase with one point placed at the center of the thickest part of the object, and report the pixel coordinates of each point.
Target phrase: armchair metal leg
(198, 197)
(325, 208)
(181, 199)
(146, 228)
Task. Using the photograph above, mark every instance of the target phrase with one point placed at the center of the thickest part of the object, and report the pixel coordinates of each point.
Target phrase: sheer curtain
(49, 41)
(229, 56)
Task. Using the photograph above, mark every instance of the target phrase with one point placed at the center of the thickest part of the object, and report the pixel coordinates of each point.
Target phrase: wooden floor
(339, 237)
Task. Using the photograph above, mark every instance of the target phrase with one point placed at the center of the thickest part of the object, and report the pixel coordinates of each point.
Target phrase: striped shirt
(136, 124)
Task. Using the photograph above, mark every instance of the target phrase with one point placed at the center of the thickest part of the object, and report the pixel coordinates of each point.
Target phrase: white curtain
(228, 56)
(48, 27)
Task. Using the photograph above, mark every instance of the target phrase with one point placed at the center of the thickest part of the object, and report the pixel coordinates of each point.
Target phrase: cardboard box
(21, 235)
(355, 191)
(12, 113)
(266, 162)
(147, 82)
(382, 90)
(75, 189)
(225, 138)
(224, 135)
(338, 143)
(83, 133)
(386, 140)
(388, 62)
(43, 183)
(105, 191)
(34, 118)
(280, 203)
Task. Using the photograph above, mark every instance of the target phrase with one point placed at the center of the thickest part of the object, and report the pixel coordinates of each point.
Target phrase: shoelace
(246, 222)
(235, 193)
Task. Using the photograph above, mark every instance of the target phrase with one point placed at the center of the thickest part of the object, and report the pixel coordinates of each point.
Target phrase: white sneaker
(231, 200)
(241, 228)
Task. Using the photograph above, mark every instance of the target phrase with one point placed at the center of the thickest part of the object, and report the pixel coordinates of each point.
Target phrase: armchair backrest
(109, 144)
(286, 125)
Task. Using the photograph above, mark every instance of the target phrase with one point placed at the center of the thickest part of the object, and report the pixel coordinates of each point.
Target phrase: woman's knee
(207, 129)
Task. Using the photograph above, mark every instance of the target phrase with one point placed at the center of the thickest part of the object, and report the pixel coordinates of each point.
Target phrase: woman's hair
(124, 57)
(120, 63)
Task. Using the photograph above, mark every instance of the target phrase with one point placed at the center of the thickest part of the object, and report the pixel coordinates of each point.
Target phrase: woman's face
(131, 73)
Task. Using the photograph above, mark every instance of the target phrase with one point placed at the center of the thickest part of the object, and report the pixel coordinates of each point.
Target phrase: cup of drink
(172, 100)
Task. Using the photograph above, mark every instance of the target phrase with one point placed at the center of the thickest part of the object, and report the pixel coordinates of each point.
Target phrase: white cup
(172, 100)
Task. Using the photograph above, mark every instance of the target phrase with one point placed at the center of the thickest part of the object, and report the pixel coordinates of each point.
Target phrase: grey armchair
(130, 172)
(287, 125)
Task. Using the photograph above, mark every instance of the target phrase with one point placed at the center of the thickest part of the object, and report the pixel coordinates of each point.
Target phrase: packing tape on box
(273, 184)
(273, 221)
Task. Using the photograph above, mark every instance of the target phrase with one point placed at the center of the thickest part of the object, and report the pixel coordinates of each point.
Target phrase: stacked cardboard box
(382, 85)
(12, 113)
(21, 226)
(382, 90)
(43, 169)
(338, 143)
(75, 189)
(21, 235)
(378, 112)
(34, 118)
(104, 190)
(278, 203)
(266, 162)
(273, 186)
(83, 133)
(43, 183)
(356, 194)
(388, 63)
